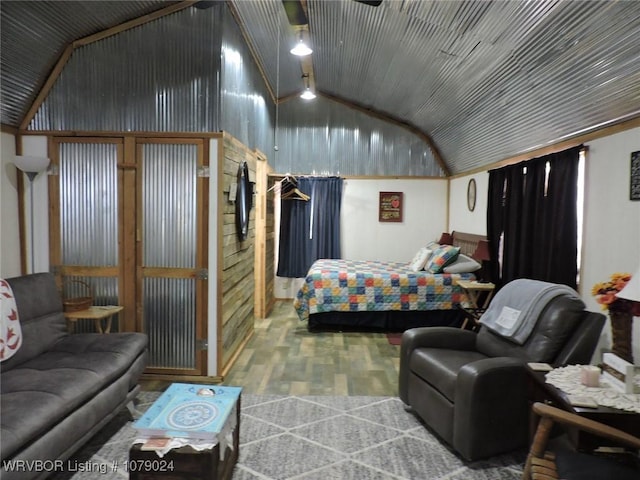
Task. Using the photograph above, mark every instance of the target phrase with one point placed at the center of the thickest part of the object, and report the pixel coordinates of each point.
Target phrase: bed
(382, 296)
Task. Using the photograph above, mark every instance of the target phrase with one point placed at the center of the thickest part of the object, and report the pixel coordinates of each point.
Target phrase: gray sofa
(59, 389)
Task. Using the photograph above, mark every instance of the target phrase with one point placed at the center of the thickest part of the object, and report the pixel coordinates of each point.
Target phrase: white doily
(224, 437)
(567, 379)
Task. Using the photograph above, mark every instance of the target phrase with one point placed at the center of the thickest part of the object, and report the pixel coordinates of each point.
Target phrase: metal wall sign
(390, 206)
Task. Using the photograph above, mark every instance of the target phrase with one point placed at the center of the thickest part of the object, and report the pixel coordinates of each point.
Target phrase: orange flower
(605, 292)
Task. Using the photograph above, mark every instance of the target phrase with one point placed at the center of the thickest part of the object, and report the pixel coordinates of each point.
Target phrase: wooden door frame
(128, 181)
(55, 233)
(200, 368)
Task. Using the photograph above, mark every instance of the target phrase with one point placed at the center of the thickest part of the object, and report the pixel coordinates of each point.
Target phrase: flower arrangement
(605, 294)
(621, 312)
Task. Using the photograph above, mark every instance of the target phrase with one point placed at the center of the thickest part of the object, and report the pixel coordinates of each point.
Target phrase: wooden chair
(541, 462)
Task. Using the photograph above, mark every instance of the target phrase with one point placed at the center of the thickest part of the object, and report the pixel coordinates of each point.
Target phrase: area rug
(394, 338)
(313, 438)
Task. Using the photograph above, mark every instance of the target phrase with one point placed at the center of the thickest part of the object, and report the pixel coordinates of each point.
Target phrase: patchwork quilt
(358, 286)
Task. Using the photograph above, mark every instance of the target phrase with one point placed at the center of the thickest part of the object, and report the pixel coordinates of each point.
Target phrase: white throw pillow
(420, 259)
(463, 264)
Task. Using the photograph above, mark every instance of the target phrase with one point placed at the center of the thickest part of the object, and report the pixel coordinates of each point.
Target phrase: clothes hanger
(289, 189)
(295, 194)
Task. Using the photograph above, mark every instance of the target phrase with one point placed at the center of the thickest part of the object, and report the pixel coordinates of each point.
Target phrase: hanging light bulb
(307, 94)
(301, 49)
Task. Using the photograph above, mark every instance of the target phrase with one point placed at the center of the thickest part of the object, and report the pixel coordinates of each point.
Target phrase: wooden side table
(541, 391)
(97, 313)
(474, 290)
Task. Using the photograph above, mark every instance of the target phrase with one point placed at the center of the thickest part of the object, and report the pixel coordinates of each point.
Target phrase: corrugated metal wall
(34, 34)
(246, 106)
(484, 79)
(169, 205)
(324, 137)
(181, 74)
(89, 204)
(169, 310)
(161, 76)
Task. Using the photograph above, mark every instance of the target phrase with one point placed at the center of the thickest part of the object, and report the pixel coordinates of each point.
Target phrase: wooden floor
(284, 358)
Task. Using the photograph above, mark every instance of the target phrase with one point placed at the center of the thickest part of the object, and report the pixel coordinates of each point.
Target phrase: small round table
(97, 313)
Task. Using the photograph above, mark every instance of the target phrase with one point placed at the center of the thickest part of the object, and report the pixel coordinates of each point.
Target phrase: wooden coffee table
(541, 391)
(187, 463)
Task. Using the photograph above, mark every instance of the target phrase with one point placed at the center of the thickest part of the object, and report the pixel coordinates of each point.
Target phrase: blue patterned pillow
(442, 257)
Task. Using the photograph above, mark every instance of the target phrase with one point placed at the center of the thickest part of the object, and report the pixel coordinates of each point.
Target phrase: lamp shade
(631, 290)
(308, 94)
(301, 49)
(482, 251)
(31, 164)
(446, 239)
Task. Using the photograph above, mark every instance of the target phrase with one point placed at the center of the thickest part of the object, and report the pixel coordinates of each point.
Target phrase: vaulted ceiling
(484, 80)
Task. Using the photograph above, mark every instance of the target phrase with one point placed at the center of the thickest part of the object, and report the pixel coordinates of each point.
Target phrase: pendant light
(307, 94)
(301, 49)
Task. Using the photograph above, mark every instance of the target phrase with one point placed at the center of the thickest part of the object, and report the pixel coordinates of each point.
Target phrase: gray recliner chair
(470, 388)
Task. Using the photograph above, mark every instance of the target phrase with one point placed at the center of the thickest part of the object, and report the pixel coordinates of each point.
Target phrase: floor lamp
(31, 166)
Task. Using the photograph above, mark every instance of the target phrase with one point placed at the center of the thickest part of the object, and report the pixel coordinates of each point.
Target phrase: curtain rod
(284, 175)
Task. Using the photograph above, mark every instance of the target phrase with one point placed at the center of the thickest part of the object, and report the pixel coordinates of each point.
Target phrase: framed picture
(634, 188)
(390, 207)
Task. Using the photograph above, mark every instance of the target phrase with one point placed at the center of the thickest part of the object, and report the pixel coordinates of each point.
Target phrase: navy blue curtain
(310, 230)
(533, 215)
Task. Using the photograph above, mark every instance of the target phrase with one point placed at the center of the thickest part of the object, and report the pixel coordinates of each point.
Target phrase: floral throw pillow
(442, 257)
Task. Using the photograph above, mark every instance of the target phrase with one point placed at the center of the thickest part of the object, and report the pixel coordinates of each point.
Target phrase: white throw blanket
(515, 309)
(10, 332)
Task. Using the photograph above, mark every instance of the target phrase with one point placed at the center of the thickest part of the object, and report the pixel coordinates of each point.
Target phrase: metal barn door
(126, 225)
(169, 273)
(84, 225)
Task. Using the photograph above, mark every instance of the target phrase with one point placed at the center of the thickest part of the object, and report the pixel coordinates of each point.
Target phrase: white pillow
(420, 259)
(463, 264)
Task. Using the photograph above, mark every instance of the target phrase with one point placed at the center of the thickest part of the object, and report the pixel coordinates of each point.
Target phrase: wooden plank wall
(238, 260)
(265, 239)
(270, 249)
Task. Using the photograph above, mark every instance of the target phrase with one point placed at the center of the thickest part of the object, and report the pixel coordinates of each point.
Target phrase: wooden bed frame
(468, 242)
(397, 321)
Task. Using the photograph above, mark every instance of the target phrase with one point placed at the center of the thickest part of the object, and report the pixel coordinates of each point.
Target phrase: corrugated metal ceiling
(34, 34)
(484, 79)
